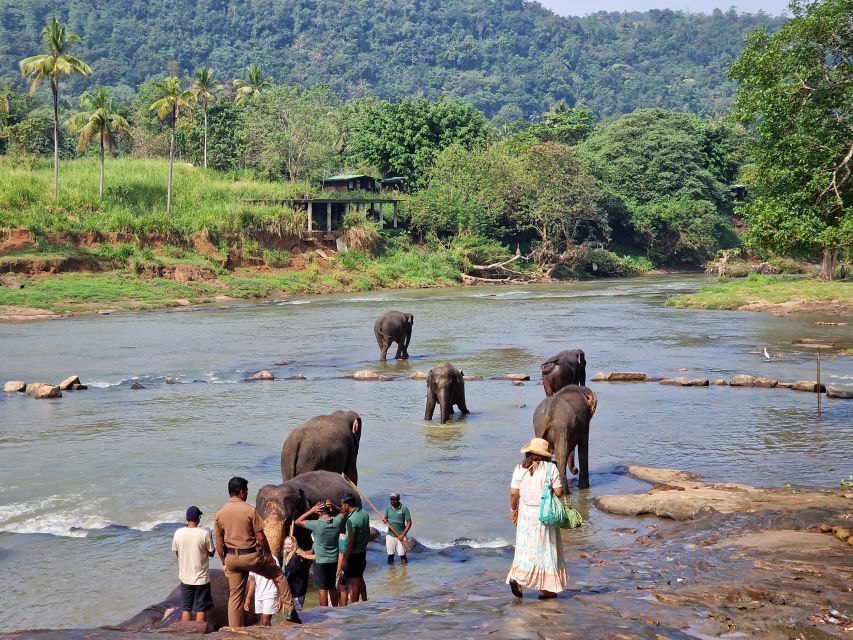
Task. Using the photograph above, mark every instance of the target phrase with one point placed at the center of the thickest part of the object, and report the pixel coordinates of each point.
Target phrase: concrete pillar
(328, 216)
(310, 215)
(395, 214)
(381, 215)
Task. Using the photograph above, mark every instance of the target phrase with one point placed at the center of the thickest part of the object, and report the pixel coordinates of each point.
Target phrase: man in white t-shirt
(265, 594)
(194, 547)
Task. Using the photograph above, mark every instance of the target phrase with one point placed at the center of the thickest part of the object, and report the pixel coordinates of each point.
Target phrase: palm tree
(253, 84)
(173, 99)
(203, 88)
(53, 64)
(98, 118)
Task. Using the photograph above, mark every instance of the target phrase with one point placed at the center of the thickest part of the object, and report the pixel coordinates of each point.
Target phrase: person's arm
(220, 542)
(408, 523)
(210, 551)
(250, 594)
(350, 546)
(513, 504)
(302, 553)
(315, 509)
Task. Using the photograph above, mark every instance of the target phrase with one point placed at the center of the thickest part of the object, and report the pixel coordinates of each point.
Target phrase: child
(265, 595)
(342, 580)
(193, 547)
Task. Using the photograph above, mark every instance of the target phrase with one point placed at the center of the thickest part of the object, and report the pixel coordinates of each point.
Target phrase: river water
(93, 484)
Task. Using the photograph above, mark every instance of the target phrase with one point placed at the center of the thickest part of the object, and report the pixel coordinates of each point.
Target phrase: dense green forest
(507, 57)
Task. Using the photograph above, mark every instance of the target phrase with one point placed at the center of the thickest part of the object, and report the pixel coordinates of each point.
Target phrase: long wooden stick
(405, 544)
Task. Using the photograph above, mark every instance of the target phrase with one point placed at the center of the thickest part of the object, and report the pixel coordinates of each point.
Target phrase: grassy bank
(771, 293)
(135, 199)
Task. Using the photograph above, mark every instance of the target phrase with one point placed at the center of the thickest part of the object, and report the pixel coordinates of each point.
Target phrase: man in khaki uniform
(243, 547)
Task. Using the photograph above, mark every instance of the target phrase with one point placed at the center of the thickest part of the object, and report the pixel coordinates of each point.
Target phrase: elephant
(446, 386)
(394, 326)
(327, 442)
(567, 367)
(167, 612)
(563, 420)
(279, 505)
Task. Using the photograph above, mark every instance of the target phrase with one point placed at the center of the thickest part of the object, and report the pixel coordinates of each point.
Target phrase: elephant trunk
(274, 532)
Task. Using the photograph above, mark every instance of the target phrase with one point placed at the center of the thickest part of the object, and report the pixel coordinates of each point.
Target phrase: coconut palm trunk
(171, 161)
(54, 90)
(205, 134)
(101, 183)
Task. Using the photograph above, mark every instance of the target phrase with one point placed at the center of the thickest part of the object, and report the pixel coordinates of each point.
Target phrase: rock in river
(15, 386)
(66, 384)
(263, 375)
(417, 375)
(841, 394)
(742, 380)
(43, 390)
(806, 385)
(367, 374)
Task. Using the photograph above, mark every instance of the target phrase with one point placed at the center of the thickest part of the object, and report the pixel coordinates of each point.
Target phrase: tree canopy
(511, 58)
(796, 96)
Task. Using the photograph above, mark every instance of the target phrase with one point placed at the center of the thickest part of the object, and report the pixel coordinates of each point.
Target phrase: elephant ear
(356, 429)
(591, 401)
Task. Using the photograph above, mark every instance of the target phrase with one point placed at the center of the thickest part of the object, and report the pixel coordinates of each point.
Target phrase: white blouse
(530, 486)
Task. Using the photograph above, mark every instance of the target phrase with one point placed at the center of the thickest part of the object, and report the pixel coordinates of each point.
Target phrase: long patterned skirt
(538, 562)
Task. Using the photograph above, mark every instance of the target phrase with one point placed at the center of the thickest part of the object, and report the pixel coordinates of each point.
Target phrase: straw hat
(538, 446)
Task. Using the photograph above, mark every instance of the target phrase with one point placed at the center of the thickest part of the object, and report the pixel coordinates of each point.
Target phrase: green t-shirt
(325, 537)
(398, 518)
(358, 525)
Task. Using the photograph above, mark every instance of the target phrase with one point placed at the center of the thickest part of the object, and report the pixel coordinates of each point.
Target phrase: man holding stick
(399, 521)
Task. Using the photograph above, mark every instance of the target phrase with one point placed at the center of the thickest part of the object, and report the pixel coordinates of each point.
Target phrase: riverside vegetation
(562, 194)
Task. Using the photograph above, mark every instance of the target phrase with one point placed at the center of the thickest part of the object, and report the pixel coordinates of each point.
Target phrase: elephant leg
(446, 405)
(399, 354)
(383, 348)
(430, 405)
(463, 408)
(572, 466)
(583, 463)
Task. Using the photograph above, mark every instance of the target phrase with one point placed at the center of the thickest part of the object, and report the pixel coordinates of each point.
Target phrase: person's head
(194, 515)
(538, 449)
(238, 487)
(289, 544)
(348, 503)
(394, 497)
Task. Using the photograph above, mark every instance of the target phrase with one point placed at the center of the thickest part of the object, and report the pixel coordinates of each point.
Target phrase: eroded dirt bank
(757, 566)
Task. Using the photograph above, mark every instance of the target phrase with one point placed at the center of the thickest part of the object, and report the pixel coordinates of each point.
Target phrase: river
(93, 484)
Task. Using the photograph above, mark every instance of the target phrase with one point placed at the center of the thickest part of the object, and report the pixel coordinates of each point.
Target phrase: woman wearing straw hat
(538, 562)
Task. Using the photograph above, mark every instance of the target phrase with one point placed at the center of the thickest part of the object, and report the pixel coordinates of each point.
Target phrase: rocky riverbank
(741, 561)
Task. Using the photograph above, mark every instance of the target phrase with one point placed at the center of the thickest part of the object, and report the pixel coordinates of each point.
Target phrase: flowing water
(93, 484)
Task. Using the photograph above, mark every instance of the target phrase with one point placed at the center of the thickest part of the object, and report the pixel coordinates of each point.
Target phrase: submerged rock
(298, 376)
(841, 394)
(626, 376)
(512, 376)
(720, 383)
(417, 375)
(136, 386)
(15, 386)
(469, 378)
(808, 386)
(767, 383)
(262, 375)
(367, 374)
(742, 380)
(676, 382)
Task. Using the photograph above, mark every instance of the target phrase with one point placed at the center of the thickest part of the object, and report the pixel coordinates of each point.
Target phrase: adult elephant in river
(327, 442)
(563, 420)
(394, 326)
(445, 386)
(567, 367)
(280, 504)
(167, 612)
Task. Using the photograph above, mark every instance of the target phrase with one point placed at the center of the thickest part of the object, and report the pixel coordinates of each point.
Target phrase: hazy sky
(583, 7)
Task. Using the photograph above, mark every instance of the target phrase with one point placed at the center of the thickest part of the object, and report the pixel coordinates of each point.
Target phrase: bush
(787, 265)
(353, 259)
(474, 249)
(122, 253)
(360, 233)
(277, 258)
(601, 262)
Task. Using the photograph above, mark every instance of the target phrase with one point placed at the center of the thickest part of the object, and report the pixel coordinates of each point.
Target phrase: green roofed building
(349, 183)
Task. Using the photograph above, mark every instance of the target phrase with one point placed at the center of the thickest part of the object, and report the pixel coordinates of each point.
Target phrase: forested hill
(508, 57)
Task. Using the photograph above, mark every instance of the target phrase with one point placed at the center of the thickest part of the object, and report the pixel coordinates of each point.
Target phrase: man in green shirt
(355, 556)
(399, 521)
(326, 530)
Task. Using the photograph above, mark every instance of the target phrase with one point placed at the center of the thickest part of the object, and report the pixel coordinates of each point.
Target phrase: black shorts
(196, 597)
(325, 574)
(355, 565)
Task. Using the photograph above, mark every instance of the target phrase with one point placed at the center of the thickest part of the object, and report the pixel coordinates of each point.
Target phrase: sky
(583, 7)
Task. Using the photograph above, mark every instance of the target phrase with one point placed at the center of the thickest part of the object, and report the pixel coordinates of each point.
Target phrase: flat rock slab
(512, 376)
(679, 498)
(808, 386)
(620, 376)
(841, 394)
(685, 382)
(366, 374)
(417, 375)
(68, 382)
(15, 386)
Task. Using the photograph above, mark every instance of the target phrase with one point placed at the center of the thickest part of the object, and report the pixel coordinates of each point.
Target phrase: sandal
(516, 590)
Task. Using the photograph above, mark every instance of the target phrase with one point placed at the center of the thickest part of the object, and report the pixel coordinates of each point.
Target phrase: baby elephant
(446, 386)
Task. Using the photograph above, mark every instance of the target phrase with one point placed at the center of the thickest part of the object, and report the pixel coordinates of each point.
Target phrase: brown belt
(240, 552)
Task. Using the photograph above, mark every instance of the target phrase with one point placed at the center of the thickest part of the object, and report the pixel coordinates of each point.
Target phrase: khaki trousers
(238, 575)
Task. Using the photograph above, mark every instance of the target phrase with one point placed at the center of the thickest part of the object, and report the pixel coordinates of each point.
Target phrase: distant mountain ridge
(508, 57)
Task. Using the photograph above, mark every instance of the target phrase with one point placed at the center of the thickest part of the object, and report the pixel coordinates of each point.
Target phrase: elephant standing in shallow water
(394, 326)
(445, 386)
(327, 442)
(567, 367)
(563, 420)
(280, 504)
